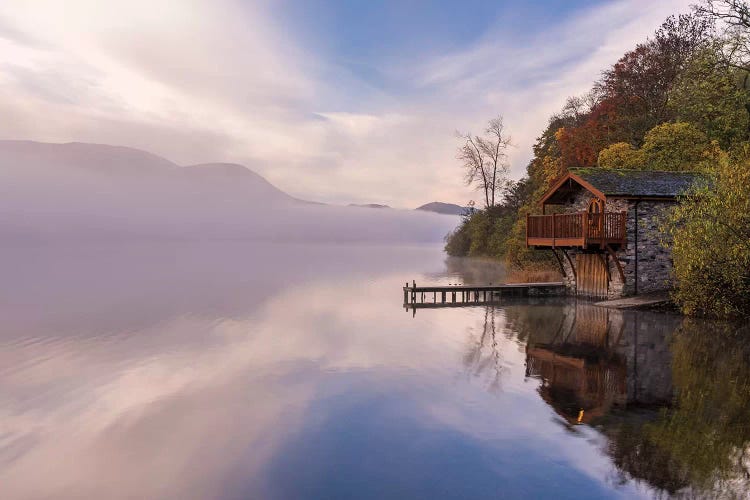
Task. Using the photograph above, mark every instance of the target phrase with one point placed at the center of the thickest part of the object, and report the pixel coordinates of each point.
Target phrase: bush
(711, 244)
(458, 242)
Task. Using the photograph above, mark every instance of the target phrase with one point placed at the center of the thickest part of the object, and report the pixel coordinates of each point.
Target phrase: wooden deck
(576, 230)
(418, 297)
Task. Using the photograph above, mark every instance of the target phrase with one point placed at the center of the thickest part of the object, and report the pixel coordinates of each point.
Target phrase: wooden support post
(443, 296)
(554, 220)
(559, 263)
(617, 263)
(406, 293)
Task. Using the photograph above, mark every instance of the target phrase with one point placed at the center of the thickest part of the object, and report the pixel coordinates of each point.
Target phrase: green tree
(676, 147)
(621, 155)
(714, 97)
(710, 231)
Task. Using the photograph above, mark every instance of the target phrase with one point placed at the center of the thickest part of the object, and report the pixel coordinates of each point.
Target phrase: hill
(443, 208)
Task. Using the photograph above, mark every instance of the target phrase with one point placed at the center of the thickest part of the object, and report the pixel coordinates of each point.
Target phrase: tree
(485, 159)
(638, 85)
(515, 193)
(621, 155)
(734, 16)
(580, 145)
(632, 96)
(713, 96)
(675, 147)
(710, 232)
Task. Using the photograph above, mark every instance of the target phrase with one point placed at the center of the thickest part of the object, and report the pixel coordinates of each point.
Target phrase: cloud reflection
(241, 382)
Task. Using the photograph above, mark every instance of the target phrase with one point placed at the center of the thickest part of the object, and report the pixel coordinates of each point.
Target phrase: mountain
(100, 167)
(87, 192)
(230, 180)
(443, 208)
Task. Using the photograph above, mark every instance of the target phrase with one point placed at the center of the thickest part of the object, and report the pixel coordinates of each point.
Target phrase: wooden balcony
(578, 230)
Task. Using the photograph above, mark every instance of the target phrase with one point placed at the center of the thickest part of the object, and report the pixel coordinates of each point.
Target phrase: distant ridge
(443, 208)
(369, 205)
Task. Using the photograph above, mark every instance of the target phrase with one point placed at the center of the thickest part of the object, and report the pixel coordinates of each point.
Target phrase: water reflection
(483, 357)
(707, 431)
(600, 359)
(250, 371)
(672, 396)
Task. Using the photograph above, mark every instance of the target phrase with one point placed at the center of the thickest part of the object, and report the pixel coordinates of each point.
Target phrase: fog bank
(79, 191)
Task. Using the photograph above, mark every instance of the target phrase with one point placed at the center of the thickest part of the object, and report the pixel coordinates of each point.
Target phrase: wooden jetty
(418, 297)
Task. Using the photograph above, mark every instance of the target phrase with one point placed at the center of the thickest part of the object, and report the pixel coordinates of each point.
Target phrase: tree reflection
(707, 430)
(483, 358)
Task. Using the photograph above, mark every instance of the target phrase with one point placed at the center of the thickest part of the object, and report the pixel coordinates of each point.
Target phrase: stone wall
(654, 260)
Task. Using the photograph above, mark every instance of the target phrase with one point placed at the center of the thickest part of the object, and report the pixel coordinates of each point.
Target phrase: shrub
(711, 243)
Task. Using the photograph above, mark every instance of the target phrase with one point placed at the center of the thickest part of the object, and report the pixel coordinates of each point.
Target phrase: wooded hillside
(679, 101)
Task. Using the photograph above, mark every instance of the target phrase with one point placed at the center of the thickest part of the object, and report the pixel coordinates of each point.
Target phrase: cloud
(229, 81)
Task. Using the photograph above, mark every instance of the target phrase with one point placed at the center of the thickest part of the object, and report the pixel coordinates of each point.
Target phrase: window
(595, 206)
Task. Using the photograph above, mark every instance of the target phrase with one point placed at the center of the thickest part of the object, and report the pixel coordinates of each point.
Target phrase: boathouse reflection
(595, 359)
(670, 396)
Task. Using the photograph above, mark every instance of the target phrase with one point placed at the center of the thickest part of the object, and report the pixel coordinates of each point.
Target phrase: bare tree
(733, 12)
(733, 17)
(485, 159)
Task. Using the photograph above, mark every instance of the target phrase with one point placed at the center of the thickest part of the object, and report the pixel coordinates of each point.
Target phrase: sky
(339, 101)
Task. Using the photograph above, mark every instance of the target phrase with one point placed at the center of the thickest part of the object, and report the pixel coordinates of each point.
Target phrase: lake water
(237, 370)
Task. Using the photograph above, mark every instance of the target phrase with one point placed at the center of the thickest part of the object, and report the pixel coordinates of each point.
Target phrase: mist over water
(73, 192)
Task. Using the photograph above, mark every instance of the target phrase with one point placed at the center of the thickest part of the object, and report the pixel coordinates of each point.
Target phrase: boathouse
(605, 232)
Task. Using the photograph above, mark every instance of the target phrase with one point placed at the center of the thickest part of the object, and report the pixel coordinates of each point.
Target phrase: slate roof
(638, 183)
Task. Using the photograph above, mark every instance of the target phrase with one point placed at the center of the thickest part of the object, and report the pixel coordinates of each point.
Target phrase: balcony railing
(580, 229)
